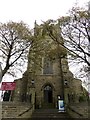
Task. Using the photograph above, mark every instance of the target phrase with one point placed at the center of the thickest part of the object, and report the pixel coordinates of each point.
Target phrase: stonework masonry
(47, 77)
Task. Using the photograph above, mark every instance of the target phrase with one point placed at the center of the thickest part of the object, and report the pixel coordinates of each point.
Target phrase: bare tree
(76, 34)
(14, 44)
(74, 31)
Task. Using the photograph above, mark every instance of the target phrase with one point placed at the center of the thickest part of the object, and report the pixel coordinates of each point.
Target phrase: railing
(81, 115)
(16, 110)
(32, 101)
(30, 108)
(75, 113)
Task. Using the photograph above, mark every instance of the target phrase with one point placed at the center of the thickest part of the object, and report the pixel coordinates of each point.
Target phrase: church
(47, 77)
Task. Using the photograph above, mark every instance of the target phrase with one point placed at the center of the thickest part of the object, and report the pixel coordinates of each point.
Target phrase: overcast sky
(31, 10)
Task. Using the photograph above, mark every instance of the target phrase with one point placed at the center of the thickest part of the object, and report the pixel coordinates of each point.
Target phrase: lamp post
(0, 72)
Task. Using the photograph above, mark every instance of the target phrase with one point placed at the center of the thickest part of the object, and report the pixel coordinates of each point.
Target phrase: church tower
(47, 76)
(47, 69)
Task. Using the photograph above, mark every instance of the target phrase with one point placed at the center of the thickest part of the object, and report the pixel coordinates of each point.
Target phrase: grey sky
(31, 10)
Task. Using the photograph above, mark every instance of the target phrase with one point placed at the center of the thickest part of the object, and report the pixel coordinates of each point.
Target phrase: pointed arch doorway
(48, 96)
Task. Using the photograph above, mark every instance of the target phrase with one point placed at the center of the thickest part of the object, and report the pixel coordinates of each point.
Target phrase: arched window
(47, 66)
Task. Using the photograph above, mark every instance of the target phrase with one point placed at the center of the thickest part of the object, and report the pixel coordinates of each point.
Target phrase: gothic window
(47, 66)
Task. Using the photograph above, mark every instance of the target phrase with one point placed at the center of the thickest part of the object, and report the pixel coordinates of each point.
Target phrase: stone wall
(16, 110)
(79, 110)
(21, 88)
(47, 48)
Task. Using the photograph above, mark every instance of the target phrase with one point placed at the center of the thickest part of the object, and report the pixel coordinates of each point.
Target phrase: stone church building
(48, 76)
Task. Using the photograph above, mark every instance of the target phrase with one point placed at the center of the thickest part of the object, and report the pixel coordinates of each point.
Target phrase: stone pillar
(66, 93)
(16, 95)
(32, 92)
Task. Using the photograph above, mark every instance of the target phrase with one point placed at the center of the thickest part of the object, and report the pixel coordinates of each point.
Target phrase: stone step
(13, 110)
(49, 113)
